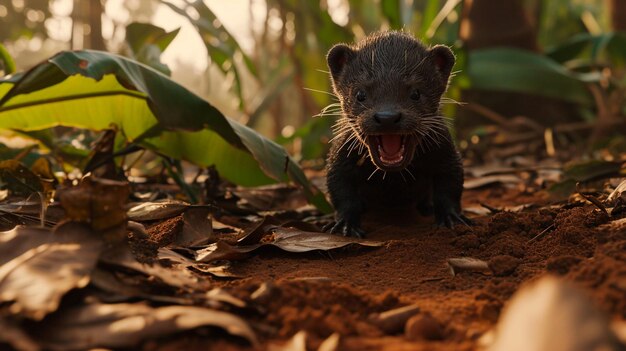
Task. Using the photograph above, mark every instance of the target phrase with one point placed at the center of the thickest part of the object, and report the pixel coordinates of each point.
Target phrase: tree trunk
(618, 15)
(489, 23)
(96, 42)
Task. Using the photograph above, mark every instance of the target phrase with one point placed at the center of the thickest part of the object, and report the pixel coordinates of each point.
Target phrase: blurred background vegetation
(536, 76)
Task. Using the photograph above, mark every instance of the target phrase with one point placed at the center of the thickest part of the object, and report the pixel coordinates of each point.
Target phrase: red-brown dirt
(336, 292)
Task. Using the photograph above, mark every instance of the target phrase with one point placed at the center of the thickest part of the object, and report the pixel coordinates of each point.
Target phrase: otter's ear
(443, 59)
(337, 58)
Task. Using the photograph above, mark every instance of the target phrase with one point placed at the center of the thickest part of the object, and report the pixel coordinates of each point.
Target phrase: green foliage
(94, 90)
(147, 42)
(7, 65)
(220, 44)
(506, 69)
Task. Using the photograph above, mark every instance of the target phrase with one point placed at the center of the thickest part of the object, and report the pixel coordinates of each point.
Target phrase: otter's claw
(452, 218)
(344, 228)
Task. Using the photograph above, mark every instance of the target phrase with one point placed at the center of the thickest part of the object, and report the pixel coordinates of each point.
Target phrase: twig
(550, 227)
(490, 208)
(591, 199)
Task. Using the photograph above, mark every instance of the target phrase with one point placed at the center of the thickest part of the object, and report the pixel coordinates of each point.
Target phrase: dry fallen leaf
(294, 240)
(551, 315)
(288, 239)
(617, 192)
(118, 287)
(197, 227)
(125, 325)
(467, 264)
(38, 266)
(493, 179)
(170, 256)
(122, 257)
(162, 209)
(224, 251)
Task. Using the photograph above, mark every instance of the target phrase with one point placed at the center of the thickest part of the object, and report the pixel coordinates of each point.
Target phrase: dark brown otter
(392, 147)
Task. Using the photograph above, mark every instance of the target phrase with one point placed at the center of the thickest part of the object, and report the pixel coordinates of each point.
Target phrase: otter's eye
(360, 95)
(415, 95)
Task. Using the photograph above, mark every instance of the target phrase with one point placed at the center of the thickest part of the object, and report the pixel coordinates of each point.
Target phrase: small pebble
(423, 327)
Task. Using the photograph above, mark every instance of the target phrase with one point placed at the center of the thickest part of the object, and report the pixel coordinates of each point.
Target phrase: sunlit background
(262, 62)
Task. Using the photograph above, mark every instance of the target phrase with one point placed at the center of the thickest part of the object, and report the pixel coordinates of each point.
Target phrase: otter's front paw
(449, 217)
(345, 228)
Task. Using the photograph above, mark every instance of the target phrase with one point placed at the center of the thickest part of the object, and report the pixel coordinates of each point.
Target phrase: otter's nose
(387, 118)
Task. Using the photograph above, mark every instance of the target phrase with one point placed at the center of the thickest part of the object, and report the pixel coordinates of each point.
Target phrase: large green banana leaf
(508, 69)
(94, 90)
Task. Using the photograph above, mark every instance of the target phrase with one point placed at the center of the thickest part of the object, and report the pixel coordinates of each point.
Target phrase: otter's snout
(387, 119)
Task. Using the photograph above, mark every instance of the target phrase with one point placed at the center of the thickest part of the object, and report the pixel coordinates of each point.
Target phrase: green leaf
(147, 42)
(507, 69)
(437, 20)
(94, 90)
(139, 35)
(7, 65)
(589, 170)
(220, 44)
(429, 13)
(571, 48)
(391, 11)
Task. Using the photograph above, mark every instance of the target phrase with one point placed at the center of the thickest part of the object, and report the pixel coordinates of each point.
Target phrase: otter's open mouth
(390, 151)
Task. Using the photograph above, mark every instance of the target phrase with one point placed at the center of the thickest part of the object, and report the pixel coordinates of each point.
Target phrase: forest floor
(341, 291)
(252, 270)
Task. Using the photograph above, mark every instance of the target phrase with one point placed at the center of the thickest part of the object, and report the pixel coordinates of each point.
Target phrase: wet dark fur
(389, 67)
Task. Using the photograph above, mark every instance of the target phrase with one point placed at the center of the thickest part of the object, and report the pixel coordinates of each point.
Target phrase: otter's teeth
(393, 160)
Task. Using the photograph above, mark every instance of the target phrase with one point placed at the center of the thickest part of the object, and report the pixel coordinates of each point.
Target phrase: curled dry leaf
(255, 233)
(551, 315)
(617, 192)
(121, 288)
(155, 210)
(125, 325)
(224, 251)
(197, 227)
(38, 266)
(288, 239)
(294, 240)
(493, 179)
(170, 256)
(122, 257)
(467, 264)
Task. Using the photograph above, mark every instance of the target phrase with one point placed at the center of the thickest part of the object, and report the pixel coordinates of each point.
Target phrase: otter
(391, 145)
